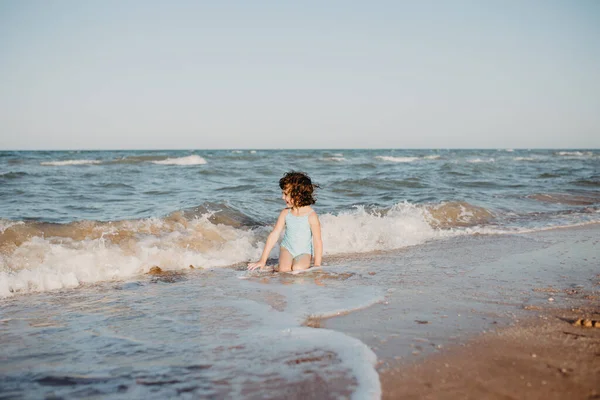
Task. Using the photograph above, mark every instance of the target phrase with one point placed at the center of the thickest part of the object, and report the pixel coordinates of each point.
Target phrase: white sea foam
(575, 153)
(480, 160)
(359, 231)
(189, 160)
(42, 264)
(338, 154)
(304, 300)
(48, 263)
(70, 162)
(397, 159)
(487, 230)
(334, 159)
(433, 157)
(5, 224)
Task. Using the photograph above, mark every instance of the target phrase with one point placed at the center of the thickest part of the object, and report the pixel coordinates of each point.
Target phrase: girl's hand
(255, 265)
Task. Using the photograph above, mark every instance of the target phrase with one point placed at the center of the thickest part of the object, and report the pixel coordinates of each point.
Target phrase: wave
(408, 159)
(136, 159)
(575, 199)
(457, 214)
(349, 185)
(575, 153)
(13, 175)
(361, 230)
(546, 175)
(480, 160)
(70, 162)
(36, 256)
(40, 256)
(591, 181)
(526, 159)
(338, 159)
(397, 159)
(188, 160)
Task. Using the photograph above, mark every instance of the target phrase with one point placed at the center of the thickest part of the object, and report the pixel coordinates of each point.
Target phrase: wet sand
(504, 330)
(545, 357)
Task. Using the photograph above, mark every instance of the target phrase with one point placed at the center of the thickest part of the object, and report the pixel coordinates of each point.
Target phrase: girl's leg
(301, 263)
(285, 260)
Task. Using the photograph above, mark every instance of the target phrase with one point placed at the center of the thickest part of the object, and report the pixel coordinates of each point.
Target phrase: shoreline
(505, 330)
(428, 306)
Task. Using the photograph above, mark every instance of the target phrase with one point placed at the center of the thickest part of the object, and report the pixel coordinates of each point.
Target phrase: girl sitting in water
(302, 239)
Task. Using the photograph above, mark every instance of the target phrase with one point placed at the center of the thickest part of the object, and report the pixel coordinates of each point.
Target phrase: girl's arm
(271, 241)
(315, 227)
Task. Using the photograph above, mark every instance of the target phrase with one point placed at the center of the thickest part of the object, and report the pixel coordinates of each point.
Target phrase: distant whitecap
(70, 162)
(397, 159)
(481, 160)
(575, 153)
(189, 160)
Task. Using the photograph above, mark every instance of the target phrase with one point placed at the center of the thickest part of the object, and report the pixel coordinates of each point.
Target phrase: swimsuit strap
(299, 216)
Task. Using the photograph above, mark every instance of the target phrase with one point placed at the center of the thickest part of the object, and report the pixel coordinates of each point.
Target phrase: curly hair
(300, 188)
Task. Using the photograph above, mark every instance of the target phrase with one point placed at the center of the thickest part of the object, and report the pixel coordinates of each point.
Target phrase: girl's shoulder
(286, 211)
(310, 212)
(306, 211)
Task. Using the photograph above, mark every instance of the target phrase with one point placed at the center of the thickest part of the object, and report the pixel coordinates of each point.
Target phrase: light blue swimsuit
(298, 236)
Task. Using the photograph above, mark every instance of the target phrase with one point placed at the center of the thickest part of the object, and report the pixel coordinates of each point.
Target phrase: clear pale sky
(310, 74)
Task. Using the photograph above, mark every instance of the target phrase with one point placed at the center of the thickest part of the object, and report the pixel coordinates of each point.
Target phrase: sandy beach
(521, 342)
(543, 357)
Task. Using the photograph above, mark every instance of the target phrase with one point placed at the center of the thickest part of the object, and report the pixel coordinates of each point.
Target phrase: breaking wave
(38, 256)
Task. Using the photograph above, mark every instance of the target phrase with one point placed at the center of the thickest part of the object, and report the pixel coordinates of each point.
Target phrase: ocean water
(79, 232)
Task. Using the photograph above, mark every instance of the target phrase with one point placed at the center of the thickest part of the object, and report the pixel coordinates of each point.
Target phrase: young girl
(302, 238)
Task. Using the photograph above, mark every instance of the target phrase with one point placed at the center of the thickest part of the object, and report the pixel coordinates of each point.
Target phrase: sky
(311, 74)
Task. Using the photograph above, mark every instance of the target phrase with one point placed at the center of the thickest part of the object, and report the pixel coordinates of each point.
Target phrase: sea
(81, 314)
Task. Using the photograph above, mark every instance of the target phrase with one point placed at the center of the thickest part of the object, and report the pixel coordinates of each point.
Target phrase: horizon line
(307, 149)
